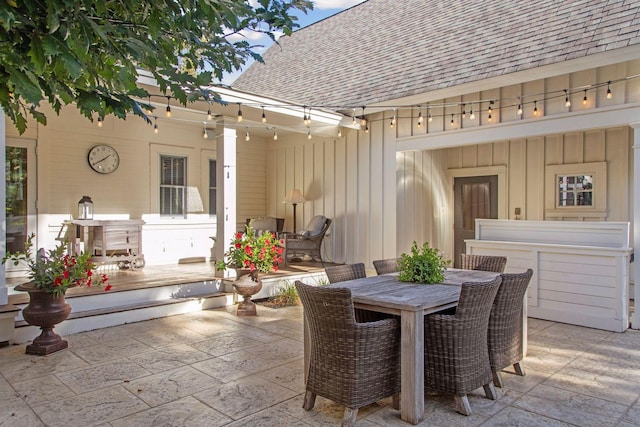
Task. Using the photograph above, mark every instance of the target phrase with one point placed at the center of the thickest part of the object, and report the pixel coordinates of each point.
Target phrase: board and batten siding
(351, 180)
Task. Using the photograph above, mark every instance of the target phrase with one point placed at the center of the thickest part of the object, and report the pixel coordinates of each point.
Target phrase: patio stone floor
(212, 368)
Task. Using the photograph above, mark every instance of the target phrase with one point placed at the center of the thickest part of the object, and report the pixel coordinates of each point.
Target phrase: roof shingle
(385, 49)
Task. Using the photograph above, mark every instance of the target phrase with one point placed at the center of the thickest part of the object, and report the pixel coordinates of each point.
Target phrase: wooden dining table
(411, 302)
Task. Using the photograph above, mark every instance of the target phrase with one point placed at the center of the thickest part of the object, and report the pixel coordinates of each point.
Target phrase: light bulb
(420, 119)
(471, 115)
(519, 109)
(584, 100)
(464, 112)
(275, 135)
(99, 121)
(209, 116)
(168, 106)
(609, 94)
(489, 117)
(430, 118)
(264, 116)
(239, 114)
(567, 103)
(155, 129)
(363, 122)
(205, 135)
(452, 122)
(535, 108)
(309, 134)
(339, 133)
(366, 129)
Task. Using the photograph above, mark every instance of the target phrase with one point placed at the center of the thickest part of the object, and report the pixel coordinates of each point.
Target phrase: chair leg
(462, 402)
(309, 400)
(519, 369)
(490, 391)
(349, 417)
(395, 401)
(497, 379)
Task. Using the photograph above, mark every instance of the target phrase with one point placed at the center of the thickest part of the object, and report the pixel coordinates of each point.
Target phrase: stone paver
(215, 369)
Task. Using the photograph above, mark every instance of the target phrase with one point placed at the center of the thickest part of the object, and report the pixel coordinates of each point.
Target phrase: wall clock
(103, 159)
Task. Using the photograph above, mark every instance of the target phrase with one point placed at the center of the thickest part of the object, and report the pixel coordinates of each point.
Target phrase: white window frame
(598, 210)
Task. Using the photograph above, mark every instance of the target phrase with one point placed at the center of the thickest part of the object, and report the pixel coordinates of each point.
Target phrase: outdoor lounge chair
(268, 223)
(455, 347)
(309, 241)
(386, 266)
(504, 336)
(492, 263)
(353, 364)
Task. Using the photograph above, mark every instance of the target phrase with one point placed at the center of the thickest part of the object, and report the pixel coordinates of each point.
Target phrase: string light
(464, 113)
(366, 129)
(309, 134)
(363, 120)
(247, 137)
(264, 116)
(305, 119)
(609, 94)
(155, 124)
(471, 115)
(354, 117)
(420, 119)
(168, 106)
(99, 121)
(339, 132)
(393, 119)
(520, 106)
(452, 122)
(585, 100)
(567, 103)
(209, 115)
(239, 112)
(430, 119)
(535, 108)
(205, 135)
(275, 135)
(490, 109)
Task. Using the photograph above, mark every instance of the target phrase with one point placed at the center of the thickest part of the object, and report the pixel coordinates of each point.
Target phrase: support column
(635, 317)
(226, 191)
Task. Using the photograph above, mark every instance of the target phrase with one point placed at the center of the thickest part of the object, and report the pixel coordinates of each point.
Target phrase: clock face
(103, 159)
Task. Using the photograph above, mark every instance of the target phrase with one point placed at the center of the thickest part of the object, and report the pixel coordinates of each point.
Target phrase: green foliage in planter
(423, 265)
(285, 295)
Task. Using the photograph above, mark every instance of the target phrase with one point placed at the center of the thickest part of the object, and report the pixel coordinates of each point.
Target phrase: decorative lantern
(85, 208)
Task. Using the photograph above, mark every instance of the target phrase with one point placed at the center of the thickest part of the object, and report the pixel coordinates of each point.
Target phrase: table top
(389, 292)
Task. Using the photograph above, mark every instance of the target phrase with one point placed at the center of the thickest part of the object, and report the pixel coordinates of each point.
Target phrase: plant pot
(44, 310)
(247, 284)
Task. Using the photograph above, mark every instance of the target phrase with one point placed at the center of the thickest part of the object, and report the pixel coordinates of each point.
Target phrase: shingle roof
(387, 49)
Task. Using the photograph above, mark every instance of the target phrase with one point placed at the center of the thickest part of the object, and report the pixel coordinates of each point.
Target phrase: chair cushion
(264, 224)
(316, 225)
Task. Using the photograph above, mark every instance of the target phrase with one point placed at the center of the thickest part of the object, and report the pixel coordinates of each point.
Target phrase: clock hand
(102, 160)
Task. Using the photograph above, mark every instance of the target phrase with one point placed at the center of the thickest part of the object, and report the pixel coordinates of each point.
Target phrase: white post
(226, 191)
(635, 317)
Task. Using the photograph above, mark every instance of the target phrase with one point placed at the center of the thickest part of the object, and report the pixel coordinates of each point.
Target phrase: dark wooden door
(474, 197)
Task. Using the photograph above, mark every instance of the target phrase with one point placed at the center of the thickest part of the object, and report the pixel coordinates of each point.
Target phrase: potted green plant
(51, 273)
(423, 265)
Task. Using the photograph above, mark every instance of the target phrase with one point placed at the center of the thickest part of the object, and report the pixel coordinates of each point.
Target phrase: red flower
(107, 288)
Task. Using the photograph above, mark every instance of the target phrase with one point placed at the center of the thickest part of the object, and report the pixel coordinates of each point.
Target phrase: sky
(321, 10)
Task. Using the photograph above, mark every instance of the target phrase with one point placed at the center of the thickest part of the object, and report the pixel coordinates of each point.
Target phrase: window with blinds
(173, 185)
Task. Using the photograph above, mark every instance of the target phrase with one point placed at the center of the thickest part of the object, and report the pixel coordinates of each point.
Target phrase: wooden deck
(159, 275)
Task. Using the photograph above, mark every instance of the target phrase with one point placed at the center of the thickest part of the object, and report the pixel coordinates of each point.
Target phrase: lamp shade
(194, 201)
(293, 196)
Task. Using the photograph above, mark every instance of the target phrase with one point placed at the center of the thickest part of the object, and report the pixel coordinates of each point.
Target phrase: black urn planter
(44, 310)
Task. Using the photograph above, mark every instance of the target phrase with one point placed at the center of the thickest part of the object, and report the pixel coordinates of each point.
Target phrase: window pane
(173, 178)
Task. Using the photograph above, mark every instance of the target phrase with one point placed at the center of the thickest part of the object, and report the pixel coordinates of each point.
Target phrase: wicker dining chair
(353, 364)
(456, 356)
(386, 266)
(340, 273)
(504, 336)
(492, 263)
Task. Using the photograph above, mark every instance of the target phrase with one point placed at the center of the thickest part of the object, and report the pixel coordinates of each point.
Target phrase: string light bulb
(247, 137)
(275, 135)
(155, 125)
(339, 132)
(452, 122)
(264, 116)
(520, 106)
(585, 100)
(309, 134)
(567, 102)
(535, 108)
(205, 135)
(609, 94)
(363, 120)
(464, 111)
(393, 119)
(490, 109)
(430, 119)
(366, 129)
(354, 117)
(420, 119)
(239, 112)
(99, 121)
(471, 115)
(168, 106)
(209, 115)
(305, 119)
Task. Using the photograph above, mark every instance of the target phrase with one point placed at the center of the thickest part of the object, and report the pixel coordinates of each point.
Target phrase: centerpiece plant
(256, 253)
(422, 265)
